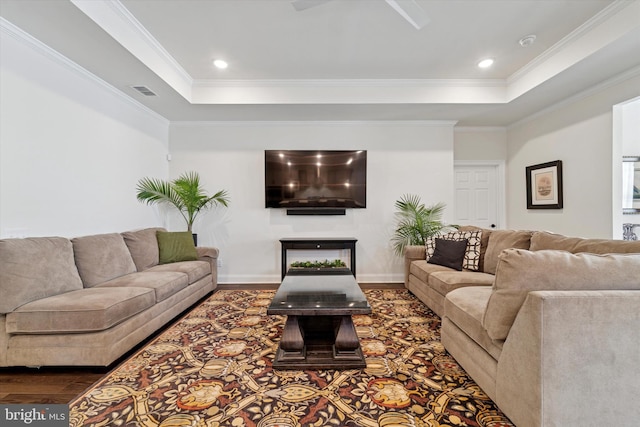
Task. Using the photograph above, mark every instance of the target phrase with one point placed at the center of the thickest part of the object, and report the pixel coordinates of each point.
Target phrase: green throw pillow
(176, 246)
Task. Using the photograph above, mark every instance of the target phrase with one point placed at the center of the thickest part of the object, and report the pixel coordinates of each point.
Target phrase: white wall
(71, 148)
(410, 157)
(580, 133)
(480, 143)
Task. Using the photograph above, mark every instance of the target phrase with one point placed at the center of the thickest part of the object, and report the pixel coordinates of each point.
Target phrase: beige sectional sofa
(88, 300)
(549, 327)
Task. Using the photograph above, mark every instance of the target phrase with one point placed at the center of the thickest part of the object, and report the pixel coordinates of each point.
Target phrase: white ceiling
(343, 59)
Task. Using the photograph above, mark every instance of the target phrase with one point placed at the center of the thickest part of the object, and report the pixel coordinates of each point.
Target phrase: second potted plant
(416, 222)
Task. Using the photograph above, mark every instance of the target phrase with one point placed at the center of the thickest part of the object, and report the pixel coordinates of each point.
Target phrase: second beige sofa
(555, 339)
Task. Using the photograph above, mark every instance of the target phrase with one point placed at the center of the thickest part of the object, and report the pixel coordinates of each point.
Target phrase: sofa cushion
(84, 310)
(446, 281)
(102, 257)
(501, 240)
(35, 268)
(465, 307)
(143, 246)
(520, 272)
(472, 254)
(449, 253)
(176, 246)
(545, 240)
(422, 269)
(164, 283)
(195, 270)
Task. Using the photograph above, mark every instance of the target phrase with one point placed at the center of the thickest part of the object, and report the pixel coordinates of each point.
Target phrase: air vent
(144, 90)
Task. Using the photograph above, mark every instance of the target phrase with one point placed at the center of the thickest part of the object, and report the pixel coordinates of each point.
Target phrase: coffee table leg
(347, 345)
(292, 341)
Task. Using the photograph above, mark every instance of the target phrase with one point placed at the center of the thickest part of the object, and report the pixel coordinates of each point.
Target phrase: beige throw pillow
(35, 268)
(521, 271)
(501, 240)
(143, 246)
(545, 240)
(102, 257)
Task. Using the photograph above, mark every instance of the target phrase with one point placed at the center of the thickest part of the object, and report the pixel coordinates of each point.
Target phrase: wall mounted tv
(315, 182)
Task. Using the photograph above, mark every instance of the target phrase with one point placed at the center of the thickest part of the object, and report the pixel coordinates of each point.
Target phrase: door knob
(493, 226)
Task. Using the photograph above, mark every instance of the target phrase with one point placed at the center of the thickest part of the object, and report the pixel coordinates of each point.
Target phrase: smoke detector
(527, 41)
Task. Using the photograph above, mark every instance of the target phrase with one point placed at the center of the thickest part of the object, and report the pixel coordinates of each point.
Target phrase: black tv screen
(315, 178)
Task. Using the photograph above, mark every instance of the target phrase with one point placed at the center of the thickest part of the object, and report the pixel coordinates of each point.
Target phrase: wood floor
(63, 384)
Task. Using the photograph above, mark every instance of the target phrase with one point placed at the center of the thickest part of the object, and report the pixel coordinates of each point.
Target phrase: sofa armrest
(4, 340)
(205, 252)
(210, 255)
(412, 253)
(571, 358)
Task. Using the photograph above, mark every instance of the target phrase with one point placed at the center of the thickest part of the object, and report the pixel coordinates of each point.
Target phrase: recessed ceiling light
(485, 63)
(219, 63)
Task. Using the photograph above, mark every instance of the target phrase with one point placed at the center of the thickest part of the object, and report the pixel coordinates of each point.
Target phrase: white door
(477, 199)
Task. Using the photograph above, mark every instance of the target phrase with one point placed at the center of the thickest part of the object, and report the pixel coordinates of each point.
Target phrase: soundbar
(316, 211)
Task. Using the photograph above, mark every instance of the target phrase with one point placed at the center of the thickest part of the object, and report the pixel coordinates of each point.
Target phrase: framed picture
(544, 185)
(631, 184)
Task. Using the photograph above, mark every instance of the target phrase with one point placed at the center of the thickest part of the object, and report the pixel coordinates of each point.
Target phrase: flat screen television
(315, 179)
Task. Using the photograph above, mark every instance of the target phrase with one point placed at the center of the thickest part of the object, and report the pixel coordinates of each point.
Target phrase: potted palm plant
(184, 193)
(416, 222)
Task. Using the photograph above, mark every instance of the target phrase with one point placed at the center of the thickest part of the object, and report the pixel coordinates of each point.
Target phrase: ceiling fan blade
(411, 11)
(306, 4)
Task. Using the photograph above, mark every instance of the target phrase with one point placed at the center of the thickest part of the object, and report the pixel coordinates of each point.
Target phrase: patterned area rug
(213, 368)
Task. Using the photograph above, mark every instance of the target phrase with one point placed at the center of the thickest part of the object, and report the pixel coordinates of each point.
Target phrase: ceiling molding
(479, 129)
(349, 92)
(499, 83)
(119, 23)
(28, 40)
(617, 20)
(301, 123)
(620, 78)
(594, 21)
(613, 22)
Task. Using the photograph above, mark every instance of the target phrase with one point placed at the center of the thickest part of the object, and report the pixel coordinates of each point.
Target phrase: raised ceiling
(341, 59)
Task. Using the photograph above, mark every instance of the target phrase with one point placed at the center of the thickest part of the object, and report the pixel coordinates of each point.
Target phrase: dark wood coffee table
(319, 331)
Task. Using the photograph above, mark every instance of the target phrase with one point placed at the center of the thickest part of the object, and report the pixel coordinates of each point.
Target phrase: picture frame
(631, 185)
(544, 185)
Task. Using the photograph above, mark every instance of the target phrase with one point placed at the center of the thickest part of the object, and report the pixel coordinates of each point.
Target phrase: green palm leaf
(415, 222)
(184, 193)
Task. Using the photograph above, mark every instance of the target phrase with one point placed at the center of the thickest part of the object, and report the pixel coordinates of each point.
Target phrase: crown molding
(479, 129)
(31, 42)
(616, 20)
(579, 32)
(356, 91)
(361, 83)
(307, 123)
(620, 78)
(114, 18)
(145, 35)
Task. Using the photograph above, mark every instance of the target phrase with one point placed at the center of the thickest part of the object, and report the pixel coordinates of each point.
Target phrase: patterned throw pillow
(472, 255)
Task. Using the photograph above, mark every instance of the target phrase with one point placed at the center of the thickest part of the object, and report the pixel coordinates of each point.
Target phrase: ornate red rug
(213, 368)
